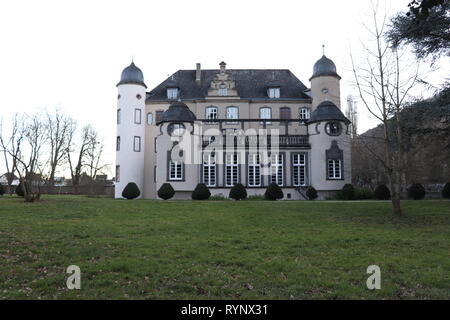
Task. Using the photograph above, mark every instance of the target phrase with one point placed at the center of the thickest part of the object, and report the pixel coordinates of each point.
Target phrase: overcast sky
(71, 53)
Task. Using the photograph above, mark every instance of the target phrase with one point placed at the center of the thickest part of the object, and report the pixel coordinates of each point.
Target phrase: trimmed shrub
(131, 191)
(382, 192)
(166, 191)
(19, 190)
(363, 194)
(416, 191)
(348, 192)
(311, 193)
(238, 192)
(273, 192)
(2, 190)
(201, 192)
(446, 191)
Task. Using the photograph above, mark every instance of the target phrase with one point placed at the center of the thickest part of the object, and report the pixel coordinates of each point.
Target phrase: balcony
(291, 141)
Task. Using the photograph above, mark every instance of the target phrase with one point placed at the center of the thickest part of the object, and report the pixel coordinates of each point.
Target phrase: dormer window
(274, 93)
(172, 93)
(223, 90)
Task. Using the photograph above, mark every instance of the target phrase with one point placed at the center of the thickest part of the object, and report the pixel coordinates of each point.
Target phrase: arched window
(265, 113)
(232, 114)
(211, 113)
(285, 113)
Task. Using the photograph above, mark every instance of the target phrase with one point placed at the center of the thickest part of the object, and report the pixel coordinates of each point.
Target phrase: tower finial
(323, 49)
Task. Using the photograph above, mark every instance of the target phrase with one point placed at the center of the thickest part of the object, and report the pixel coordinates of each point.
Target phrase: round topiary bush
(274, 192)
(311, 193)
(416, 191)
(201, 192)
(238, 192)
(166, 191)
(446, 191)
(382, 192)
(131, 191)
(2, 190)
(348, 192)
(19, 190)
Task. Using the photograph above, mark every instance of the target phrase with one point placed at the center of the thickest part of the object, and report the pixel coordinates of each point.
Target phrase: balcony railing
(290, 141)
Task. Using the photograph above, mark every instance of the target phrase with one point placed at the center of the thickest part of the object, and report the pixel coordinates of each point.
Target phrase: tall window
(211, 113)
(285, 113)
(119, 116)
(149, 118)
(158, 116)
(231, 170)
(305, 114)
(137, 116)
(232, 114)
(276, 169)
(137, 144)
(175, 170)
(117, 173)
(172, 93)
(299, 169)
(118, 144)
(334, 169)
(254, 170)
(265, 113)
(274, 93)
(209, 170)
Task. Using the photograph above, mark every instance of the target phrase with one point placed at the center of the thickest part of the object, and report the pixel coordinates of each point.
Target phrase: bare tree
(94, 157)
(11, 145)
(60, 128)
(352, 114)
(78, 162)
(384, 86)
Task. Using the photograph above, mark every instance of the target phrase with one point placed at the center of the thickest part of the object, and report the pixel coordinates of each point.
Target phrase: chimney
(198, 74)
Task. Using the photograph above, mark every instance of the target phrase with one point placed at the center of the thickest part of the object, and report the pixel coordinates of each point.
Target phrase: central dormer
(223, 84)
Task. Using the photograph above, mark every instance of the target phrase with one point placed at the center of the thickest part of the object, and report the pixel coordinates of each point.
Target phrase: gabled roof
(250, 84)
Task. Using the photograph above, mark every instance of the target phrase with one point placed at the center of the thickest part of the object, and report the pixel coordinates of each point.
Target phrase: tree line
(39, 145)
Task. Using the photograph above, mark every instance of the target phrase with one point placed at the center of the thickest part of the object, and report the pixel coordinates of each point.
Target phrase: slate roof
(132, 75)
(326, 111)
(324, 67)
(179, 112)
(250, 84)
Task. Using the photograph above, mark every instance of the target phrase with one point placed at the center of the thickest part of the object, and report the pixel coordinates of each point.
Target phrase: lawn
(222, 250)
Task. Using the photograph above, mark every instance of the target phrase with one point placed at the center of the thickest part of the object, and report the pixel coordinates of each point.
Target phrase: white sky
(71, 54)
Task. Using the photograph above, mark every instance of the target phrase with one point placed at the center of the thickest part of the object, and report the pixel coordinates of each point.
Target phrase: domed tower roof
(178, 112)
(132, 75)
(324, 67)
(327, 111)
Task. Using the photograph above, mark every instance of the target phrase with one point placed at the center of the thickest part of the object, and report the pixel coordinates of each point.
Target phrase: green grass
(222, 250)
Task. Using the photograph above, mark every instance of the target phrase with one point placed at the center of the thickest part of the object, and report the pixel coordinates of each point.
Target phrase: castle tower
(325, 84)
(130, 139)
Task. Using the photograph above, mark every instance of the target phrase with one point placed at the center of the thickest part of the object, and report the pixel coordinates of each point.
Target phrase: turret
(130, 140)
(325, 84)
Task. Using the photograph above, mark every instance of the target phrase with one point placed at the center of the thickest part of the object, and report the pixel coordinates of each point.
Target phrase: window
(172, 93)
(274, 93)
(276, 169)
(137, 116)
(334, 169)
(149, 118)
(223, 91)
(175, 170)
(209, 169)
(305, 114)
(138, 96)
(232, 113)
(299, 169)
(137, 144)
(285, 113)
(211, 113)
(119, 116)
(118, 144)
(158, 116)
(254, 170)
(176, 129)
(265, 113)
(333, 128)
(117, 173)
(231, 170)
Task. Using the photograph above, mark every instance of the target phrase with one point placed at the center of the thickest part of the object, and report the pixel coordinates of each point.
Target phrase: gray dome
(178, 112)
(326, 111)
(132, 75)
(324, 67)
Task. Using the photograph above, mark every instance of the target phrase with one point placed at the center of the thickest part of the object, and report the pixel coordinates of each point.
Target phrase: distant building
(4, 179)
(254, 127)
